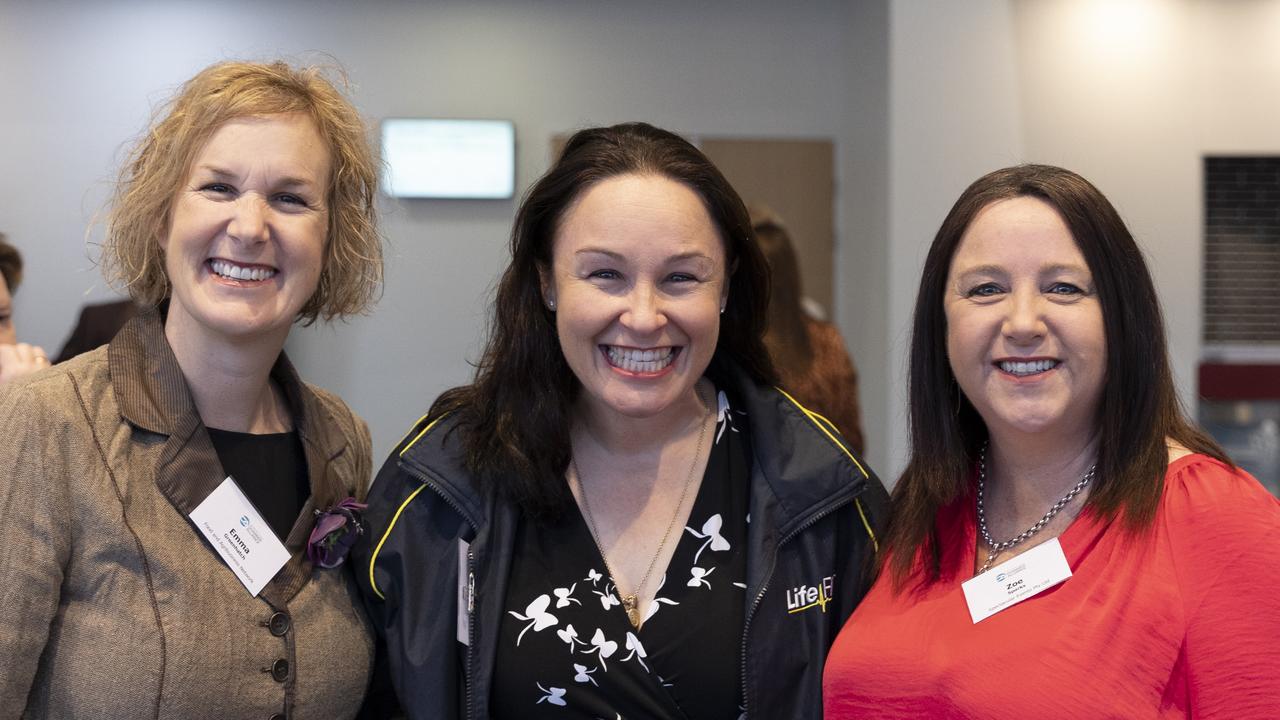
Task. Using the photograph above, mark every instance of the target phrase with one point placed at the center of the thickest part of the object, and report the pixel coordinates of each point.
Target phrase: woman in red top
(1066, 544)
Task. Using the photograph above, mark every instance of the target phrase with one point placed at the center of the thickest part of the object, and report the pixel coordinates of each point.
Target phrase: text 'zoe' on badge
(1013, 581)
(237, 531)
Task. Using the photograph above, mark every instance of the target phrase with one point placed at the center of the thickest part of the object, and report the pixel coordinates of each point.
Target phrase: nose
(644, 313)
(1024, 322)
(249, 219)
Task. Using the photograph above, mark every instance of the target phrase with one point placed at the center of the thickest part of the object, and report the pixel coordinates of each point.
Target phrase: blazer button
(279, 624)
(280, 670)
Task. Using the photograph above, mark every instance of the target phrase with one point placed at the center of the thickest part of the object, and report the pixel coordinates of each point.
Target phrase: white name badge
(244, 540)
(1013, 581)
(464, 593)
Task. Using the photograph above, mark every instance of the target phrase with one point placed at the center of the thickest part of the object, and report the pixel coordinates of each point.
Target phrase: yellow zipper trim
(819, 421)
(373, 560)
(425, 430)
(411, 427)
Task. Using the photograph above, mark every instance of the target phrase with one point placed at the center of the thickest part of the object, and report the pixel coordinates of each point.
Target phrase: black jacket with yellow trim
(816, 512)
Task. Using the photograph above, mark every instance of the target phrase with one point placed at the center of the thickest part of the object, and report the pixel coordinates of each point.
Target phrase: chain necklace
(999, 547)
(631, 602)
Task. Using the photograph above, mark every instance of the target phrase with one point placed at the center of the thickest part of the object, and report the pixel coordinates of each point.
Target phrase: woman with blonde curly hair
(178, 503)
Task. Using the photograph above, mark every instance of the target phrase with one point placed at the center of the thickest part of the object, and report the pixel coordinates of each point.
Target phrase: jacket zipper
(471, 585)
(746, 624)
(471, 630)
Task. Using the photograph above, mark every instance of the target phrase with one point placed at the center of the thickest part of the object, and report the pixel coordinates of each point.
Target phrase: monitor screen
(429, 158)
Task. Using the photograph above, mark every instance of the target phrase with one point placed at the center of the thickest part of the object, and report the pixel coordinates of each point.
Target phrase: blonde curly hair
(157, 166)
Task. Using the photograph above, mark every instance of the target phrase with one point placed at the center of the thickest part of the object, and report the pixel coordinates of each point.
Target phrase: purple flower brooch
(335, 532)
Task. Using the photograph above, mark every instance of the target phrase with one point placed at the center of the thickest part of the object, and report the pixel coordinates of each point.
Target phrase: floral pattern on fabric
(566, 648)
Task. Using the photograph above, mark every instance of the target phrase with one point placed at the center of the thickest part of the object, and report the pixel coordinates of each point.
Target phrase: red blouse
(1182, 621)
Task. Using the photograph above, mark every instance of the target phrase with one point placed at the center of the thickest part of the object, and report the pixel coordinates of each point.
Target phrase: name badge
(465, 590)
(237, 531)
(1013, 581)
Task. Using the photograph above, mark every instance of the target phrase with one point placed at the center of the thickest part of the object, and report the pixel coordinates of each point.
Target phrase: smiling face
(638, 278)
(247, 230)
(1025, 334)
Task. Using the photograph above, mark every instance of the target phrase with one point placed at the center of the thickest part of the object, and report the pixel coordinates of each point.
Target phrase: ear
(548, 287)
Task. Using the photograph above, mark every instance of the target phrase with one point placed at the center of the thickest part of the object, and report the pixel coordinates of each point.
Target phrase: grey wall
(920, 96)
(80, 79)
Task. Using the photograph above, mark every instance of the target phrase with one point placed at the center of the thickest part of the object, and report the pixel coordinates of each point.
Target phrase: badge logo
(804, 597)
(244, 521)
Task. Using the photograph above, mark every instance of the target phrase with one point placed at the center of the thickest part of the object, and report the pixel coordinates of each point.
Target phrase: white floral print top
(566, 649)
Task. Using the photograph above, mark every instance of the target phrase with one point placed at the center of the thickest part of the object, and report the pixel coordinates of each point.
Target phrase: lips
(641, 361)
(1026, 368)
(228, 270)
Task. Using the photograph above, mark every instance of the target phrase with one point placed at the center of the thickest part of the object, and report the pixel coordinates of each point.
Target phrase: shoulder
(429, 451)
(337, 412)
(415, 509)
(1201, 491)
(76, 388)
(822, 330)
(1210, 513)
(800, 422)
(55, 424)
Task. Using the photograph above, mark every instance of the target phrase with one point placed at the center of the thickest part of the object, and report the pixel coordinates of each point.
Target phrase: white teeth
(640, 361)
(236, 272)
(1027, 368)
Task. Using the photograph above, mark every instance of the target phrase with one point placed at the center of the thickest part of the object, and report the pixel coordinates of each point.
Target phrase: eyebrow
(690, 255)
(998, 270)
(289, 181)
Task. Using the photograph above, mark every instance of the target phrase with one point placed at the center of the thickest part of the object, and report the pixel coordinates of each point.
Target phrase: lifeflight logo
(803, 597)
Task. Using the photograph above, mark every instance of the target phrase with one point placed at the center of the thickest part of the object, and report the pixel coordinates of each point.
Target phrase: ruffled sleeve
(1223, 530)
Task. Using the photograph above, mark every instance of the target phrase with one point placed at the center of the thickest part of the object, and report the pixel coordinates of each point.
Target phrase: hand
(21, 359)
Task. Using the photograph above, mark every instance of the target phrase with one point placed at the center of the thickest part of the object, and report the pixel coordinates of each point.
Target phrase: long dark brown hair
(1139, 407)
(515, 416)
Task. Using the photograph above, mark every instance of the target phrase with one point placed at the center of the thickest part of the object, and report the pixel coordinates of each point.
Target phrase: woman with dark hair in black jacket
(620, 517)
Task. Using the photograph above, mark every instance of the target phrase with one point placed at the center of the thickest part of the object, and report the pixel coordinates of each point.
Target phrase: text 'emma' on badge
(239, 534)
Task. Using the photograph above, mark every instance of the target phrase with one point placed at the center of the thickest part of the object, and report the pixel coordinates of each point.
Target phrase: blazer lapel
(153, 396)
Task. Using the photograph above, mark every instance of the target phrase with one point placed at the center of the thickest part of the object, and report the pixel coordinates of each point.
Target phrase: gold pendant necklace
(631, 601)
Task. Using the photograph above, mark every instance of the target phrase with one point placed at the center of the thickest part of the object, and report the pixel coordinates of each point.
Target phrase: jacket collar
(153, 396)
(800, 468)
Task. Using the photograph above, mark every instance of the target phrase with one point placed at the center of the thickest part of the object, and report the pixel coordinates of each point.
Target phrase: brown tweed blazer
(111, 603)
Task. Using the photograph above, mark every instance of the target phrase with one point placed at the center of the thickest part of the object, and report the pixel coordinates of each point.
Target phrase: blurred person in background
(813, 365)
(16, 359)
(97, 324)
(138, 475)
(1065, 542)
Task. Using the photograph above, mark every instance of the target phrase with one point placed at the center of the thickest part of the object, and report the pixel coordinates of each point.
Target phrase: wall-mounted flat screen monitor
(436, 158)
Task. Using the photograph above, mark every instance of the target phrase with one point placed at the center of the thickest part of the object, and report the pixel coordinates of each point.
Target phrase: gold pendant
(629, 604)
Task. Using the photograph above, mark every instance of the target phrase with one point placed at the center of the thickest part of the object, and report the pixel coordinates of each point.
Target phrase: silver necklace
(631, 602)
(999, 547)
